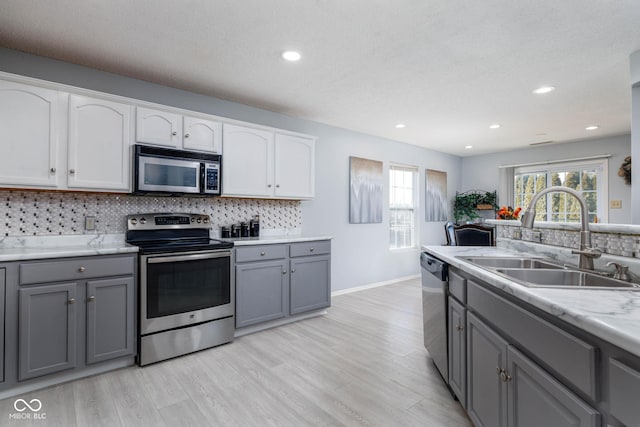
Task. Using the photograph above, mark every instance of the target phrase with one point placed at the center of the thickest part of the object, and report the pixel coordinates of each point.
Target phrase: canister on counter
(225, 232)
(244, 229)
(235, 230)
(254, 226)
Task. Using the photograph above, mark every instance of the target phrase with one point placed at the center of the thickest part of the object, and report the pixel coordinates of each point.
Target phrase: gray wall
(481, 172)
(361, 254)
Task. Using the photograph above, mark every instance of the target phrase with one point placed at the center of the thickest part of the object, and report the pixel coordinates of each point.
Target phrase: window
(403, 202)
(587, 177)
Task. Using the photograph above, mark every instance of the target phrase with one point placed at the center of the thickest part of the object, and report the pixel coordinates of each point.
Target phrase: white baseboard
(373, 285)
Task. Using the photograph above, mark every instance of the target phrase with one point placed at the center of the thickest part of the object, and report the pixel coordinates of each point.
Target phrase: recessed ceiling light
(544, 89)
(495, 126)
(401, 125)
(594, 127)
(291, 55)
(468, 147)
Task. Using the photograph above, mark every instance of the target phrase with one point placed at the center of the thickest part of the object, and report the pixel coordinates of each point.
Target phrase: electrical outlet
(616, 204)
(89, 223)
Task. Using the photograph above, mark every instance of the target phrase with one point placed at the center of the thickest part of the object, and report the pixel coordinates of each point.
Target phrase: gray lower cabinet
(110, 323)
(506, 388)
(47, 329)
(458, 350)
(80, 319)
(309, 278)
(261, 292)
(275, 281)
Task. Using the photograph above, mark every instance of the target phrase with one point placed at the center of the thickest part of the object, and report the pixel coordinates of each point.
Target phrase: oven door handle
(192, 257)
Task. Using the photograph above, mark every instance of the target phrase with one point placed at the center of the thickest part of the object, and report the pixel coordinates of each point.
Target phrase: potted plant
(467, 204)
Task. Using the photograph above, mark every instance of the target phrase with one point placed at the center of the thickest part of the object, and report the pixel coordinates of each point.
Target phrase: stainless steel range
(186, 299)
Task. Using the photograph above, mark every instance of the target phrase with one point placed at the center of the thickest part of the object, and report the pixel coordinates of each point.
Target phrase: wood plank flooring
(363, 363)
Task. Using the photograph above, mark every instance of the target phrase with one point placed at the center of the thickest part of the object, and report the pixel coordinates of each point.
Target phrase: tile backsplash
(42, 213)
(627, 245)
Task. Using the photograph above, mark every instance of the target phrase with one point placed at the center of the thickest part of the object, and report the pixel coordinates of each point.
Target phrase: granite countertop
(275, 239)
(42, 247)
(613, 315)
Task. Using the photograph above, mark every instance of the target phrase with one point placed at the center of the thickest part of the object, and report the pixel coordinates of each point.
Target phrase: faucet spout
(586, 252)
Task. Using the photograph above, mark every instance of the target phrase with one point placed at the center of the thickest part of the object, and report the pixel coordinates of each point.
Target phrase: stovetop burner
(171, 232)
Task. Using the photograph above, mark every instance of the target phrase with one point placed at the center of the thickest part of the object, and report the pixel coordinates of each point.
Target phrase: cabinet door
(202, 135)
(537, 399)
(458, 350)
(486, 358)
(294, 166)
(247, 168)
(29, 123)
(158, 127)
(110, 327)
(99, 141)
(261, 292)
(47, 330)
(310, 279)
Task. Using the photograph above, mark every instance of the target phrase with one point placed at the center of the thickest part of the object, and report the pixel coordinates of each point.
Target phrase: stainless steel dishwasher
(434, 310)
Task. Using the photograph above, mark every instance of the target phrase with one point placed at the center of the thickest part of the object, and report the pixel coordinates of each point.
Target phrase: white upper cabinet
(294, 166)
(158, 127)
(261, 163)
(99, 141)
(247, 165)
(29, 123)
(202, 135)
(174, 130)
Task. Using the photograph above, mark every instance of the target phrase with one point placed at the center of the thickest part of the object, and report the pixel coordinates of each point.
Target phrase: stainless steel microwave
(169, 172)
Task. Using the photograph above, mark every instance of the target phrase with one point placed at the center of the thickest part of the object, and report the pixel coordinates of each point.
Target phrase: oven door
(158, 174)
(185, 288)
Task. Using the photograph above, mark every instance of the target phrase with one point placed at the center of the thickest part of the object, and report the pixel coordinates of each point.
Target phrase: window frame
(599, 165)
(415, 208)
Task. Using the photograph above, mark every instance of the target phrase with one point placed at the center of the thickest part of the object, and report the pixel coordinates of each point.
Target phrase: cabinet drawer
(261, 252)
(570, 357)
(74, 269)
(624, 389)
(458, 287)
(319, 247)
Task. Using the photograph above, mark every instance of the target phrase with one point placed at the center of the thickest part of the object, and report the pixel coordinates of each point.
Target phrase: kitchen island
(546, 355)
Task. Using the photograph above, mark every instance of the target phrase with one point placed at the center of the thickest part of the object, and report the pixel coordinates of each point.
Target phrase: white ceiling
(446, 68)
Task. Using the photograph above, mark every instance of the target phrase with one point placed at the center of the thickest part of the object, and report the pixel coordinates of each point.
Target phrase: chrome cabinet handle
(72, 171)
(82, 269)
(71, 301)
(310, 249)
(498, 370)
(504, 376)
(277, 185)
(268, 185)
(92, 298)
(284, 271)
(186, 135)
(53, 170)
(174, 133)
(459, 327)
(293, 270)
(262, 253)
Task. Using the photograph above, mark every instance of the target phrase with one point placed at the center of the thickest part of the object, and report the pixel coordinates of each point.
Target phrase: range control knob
(134, 221)
(199, 220)
(143, 220)
(205, 220)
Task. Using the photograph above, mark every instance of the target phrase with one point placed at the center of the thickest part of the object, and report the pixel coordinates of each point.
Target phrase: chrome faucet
(586, 252)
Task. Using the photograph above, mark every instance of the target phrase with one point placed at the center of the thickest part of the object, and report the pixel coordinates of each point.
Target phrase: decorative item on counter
(225, 232)
(244, 229)
(254, 226)
(235, 230)
(625, 170)
(507, 212)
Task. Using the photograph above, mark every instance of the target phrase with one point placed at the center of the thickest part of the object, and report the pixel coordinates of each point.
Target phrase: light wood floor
(363, 363)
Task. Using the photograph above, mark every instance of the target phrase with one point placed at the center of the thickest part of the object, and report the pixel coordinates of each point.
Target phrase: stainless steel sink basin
(563, 278)
(513, 262)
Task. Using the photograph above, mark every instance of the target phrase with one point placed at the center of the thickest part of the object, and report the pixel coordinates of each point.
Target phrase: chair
(474, 235)
(448, 231)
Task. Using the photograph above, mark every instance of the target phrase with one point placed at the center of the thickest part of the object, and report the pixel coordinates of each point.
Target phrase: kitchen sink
(513, 262)
(563, 278)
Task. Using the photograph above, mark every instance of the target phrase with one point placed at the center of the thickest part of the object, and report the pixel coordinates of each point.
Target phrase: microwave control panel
(212, 178)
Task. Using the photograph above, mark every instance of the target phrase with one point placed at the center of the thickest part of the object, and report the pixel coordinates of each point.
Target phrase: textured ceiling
(446, 68)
